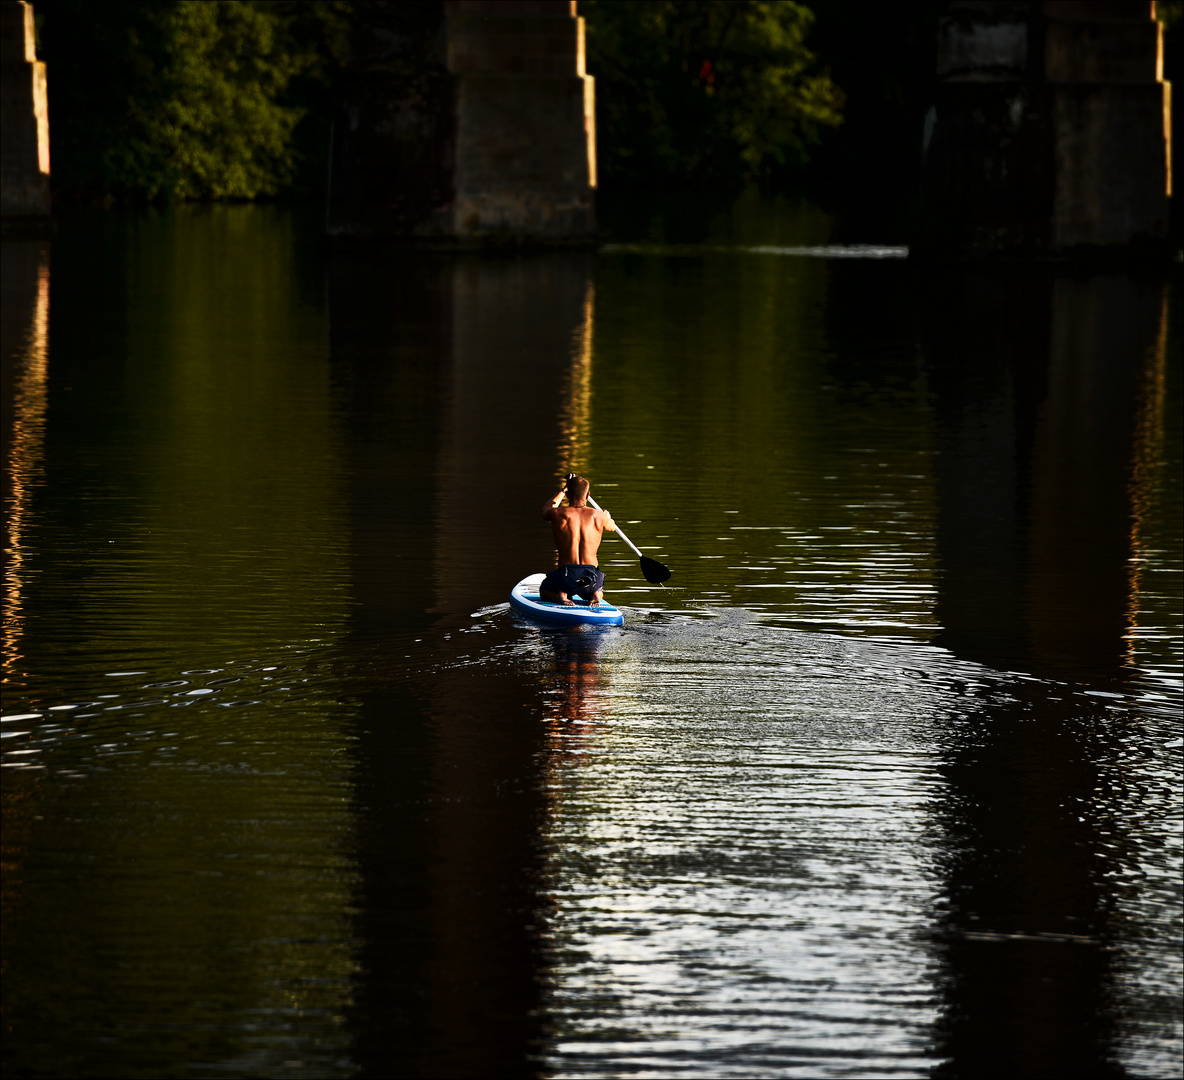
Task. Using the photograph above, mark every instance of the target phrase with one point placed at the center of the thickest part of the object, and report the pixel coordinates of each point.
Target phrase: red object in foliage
(705, 71)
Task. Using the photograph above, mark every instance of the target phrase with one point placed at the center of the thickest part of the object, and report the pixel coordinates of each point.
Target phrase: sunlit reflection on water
(740, 906)
(764, 899)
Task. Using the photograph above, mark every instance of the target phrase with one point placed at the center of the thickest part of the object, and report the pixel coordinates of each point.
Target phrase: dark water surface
(886, 782)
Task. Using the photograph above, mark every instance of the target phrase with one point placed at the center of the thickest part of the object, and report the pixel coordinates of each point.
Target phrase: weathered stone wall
(1050, 131)
(465, 121)
(1111, 122)
(525, 139)
(392, 159)
(989, 174)
(24, 117)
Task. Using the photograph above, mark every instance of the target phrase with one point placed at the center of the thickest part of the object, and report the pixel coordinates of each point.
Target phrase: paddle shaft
(592, 503)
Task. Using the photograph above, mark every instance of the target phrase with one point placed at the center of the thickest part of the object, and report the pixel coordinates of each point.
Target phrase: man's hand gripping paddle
(655, 572)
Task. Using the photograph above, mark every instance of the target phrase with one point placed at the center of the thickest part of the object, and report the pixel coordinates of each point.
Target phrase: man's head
(577, 490)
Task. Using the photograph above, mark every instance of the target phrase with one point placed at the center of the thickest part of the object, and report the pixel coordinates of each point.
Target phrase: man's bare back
(577, 530)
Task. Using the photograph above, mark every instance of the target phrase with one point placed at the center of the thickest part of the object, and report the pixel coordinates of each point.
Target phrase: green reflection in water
(177, 847)
(201, 372)
(766, 475)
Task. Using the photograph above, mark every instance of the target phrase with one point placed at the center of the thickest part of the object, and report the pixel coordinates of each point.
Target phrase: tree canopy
(231, 98)
(185, 98)
(691, 91)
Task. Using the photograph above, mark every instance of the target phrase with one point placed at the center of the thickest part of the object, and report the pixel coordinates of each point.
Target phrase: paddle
(654, 571)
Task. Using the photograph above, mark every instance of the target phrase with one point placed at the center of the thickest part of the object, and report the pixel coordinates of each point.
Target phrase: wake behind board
(524, 598)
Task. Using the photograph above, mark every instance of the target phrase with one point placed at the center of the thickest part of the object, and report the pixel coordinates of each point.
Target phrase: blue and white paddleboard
(524, 598)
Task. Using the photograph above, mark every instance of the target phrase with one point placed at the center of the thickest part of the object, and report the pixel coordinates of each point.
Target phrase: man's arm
(549, 508)
(607, 522)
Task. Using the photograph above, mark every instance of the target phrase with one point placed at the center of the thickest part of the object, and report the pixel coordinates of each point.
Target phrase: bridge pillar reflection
(1044, 386)
(457, 370)
(1041, 380)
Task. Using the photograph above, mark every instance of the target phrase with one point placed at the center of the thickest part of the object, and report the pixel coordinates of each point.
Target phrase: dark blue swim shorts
(575, 580)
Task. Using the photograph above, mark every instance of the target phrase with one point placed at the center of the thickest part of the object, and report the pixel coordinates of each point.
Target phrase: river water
(886, 781)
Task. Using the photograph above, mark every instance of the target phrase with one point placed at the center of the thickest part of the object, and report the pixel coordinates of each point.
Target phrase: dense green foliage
(232, 98)
(185, 98)
(690, 91)
(1170, 12)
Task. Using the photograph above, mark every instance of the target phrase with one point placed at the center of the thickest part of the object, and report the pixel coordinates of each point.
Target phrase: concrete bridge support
(468, 121)
(1050, 133)
(24, 118)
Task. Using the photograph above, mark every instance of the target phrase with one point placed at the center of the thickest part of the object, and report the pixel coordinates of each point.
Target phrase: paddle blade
(654, 571)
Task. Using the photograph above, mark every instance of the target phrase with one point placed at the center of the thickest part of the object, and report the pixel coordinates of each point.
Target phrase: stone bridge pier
(24, 119)
(1050, 132)
(469, 121)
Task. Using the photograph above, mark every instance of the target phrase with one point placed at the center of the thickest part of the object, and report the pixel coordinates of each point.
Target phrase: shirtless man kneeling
(578, 530)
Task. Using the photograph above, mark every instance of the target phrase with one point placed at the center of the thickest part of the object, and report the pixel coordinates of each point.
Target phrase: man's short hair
(577, 489)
